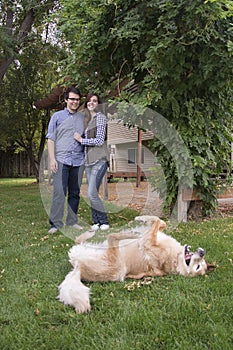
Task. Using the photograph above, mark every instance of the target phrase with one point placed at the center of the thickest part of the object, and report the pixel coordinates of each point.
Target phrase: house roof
(118, 133)
(54, 100)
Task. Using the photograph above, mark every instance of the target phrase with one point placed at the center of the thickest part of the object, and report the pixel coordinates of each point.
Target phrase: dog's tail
(74, 293)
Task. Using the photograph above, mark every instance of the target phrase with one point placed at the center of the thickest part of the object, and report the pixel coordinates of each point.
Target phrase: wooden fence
(15, 164)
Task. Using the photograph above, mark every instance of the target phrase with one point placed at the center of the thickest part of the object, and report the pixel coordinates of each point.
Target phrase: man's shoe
(77, 227)
(104, 227)
(52, 230)
(95, 227)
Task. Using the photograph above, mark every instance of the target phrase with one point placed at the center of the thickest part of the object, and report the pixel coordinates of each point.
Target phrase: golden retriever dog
(140, 252)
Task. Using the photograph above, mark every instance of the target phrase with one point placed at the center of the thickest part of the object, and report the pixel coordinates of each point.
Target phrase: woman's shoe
(95, 227)
(52, 230)
(104, 227)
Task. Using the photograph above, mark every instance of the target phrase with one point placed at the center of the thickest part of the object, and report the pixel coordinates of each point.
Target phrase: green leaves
(180, 56)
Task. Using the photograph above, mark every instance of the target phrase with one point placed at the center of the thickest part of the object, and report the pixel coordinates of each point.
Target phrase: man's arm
(52, 159)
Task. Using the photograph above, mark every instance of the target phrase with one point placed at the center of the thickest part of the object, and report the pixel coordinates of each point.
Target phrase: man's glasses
(73, 99)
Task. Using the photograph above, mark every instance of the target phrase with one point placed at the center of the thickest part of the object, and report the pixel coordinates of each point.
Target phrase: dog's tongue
(188, 256)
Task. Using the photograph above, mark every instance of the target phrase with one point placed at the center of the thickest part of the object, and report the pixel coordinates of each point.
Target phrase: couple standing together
(77, 142)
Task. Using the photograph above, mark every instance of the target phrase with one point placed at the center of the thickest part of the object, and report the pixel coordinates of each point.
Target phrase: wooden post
(105, 178)
(182, 207)
(139, 160)
(105, 187)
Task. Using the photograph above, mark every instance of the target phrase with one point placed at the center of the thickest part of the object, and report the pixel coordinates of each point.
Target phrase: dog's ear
(210, 267)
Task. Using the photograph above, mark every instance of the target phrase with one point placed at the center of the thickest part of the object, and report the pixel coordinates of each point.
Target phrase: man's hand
(53, 165)
(52, 160)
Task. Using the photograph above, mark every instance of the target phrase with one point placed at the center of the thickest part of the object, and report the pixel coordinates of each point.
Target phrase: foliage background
(179, 54)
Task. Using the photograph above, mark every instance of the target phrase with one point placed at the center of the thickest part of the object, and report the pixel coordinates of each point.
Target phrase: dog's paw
(84, 237)
(146, 218)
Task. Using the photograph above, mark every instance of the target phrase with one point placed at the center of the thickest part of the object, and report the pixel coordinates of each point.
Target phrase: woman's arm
(101, 123)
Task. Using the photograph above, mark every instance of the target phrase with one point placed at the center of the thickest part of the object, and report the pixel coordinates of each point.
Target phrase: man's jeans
(66, 179)
(95, 174)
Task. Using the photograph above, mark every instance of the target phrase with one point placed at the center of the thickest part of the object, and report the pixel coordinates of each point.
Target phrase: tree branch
(26, 25)
(24, 30)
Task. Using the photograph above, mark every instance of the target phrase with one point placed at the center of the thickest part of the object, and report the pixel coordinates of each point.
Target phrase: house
(124, 145)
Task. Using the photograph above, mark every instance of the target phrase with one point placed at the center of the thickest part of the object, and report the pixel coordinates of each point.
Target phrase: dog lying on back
(127, 255)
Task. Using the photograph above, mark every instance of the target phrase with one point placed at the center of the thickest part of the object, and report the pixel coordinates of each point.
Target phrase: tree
(179, 53)
(16, 27)
(29, 52)
(22, 126)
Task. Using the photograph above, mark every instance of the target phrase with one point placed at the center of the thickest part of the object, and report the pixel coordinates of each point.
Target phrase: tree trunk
(23, 31)
(4, 65)
(42, 142)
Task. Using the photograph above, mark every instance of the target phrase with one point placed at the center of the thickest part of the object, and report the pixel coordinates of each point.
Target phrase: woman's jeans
(66, 179)
(95, 174)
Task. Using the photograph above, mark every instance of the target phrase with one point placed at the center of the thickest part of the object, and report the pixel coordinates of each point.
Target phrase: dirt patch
(126, 194)
(225, 207)
(143, 199)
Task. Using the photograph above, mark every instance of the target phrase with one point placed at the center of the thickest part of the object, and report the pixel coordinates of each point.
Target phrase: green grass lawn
(172, 312)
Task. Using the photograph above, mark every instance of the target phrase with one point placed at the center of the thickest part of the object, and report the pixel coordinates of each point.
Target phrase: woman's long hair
(87, 115)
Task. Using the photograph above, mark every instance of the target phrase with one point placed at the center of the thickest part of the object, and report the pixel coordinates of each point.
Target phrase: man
(66, 157)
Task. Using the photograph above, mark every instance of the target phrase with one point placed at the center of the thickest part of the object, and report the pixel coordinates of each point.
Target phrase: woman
(97, 157)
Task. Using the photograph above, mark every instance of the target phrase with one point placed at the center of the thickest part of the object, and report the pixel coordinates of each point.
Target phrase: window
(133, 156)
